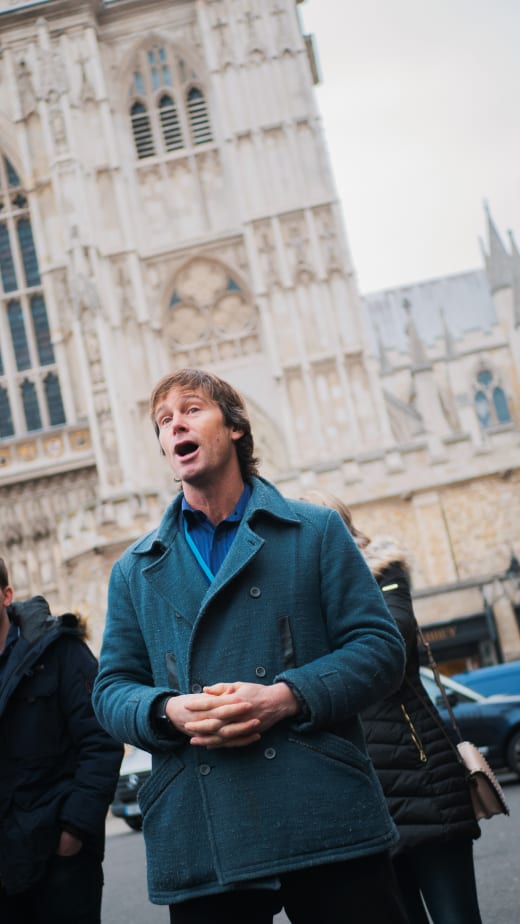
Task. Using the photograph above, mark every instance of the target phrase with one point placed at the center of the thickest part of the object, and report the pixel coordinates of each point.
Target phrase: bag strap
(438, 681)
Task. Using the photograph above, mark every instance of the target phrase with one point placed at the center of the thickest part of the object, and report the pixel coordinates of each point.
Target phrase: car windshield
(464, 694)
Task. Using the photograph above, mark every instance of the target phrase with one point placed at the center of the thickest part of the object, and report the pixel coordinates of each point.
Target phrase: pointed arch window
(142, 129)
(30, 262)
(6, 420)
(171, 126)
(53, 398)
(18, 335)
(7, 269)
(41, 331)
(490, 399)
(198, 116)
(30, 392)
(167, 104)
(30, 406)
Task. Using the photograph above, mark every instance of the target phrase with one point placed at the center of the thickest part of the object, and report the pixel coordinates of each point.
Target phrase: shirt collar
(234, 517)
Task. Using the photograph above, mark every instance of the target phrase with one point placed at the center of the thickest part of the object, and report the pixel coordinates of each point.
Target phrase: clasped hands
(231, 715)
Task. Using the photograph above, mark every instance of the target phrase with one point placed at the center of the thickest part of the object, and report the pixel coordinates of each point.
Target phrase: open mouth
(185, 449)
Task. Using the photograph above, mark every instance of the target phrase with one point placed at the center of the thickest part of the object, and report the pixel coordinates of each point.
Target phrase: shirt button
(255, 592)
(196, 688)
(270, 753)
(204, 769)
(260, 671)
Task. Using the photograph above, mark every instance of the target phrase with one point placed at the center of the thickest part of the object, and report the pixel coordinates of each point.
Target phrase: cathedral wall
(230, 254)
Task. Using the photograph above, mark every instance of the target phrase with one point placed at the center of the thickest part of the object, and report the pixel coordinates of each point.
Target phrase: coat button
(196, 688)
(204, 769)
(255, 592)
(260, 671)
(270, 753)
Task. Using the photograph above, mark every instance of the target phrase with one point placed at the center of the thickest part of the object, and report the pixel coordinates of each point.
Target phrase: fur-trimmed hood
(384, 551)
(34, 619)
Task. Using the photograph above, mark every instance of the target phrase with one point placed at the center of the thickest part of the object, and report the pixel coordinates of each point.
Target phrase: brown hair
(330, 500)
(4, 577)
(229, 401)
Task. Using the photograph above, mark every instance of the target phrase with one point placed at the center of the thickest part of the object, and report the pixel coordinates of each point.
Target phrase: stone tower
(167, 200)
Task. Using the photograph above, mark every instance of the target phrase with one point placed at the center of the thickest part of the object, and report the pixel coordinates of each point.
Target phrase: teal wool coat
(294, 600)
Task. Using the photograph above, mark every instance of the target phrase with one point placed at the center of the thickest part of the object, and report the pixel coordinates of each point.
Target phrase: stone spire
(515, 272)
(498, 264)
(418, 355)
(449, 339)
(384, 362)
(427, 399)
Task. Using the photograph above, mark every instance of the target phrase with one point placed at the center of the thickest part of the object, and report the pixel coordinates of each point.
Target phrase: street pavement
(496, 858)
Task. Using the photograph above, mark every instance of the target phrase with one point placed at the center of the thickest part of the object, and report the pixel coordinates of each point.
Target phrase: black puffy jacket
(422, 779)
(58, 767)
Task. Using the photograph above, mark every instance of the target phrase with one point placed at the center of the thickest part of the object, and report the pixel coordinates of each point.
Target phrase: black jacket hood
(34, 619)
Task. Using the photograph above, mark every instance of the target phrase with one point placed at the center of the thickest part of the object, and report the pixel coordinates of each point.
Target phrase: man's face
(198, 445)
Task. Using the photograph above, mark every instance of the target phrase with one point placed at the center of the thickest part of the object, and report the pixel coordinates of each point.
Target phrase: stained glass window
(41, 330)
(30, 262)
(54, 402)
(30, 406)
(30, 395)
(490, 399)
(6, 421)
(18, 335)
(7, 269)
(12, 176)
(500, 404)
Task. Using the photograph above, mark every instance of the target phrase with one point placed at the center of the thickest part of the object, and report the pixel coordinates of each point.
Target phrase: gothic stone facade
(166, 199)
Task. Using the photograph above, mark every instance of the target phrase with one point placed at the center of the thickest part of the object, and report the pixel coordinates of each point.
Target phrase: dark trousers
(69, 893)
(445, 875)
(362, 891)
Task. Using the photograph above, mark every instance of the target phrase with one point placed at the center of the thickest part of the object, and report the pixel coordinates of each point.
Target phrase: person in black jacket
(423, 781)
(58, 768)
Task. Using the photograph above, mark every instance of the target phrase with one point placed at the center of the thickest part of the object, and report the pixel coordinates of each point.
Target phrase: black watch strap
(162, 725)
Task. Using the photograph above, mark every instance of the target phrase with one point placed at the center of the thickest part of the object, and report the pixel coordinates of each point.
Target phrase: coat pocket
(335, 748)
(159, 779)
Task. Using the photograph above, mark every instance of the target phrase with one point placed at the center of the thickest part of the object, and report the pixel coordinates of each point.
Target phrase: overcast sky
(421, 107)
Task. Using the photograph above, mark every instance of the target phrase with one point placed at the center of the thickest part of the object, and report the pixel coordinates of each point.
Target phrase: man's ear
(8, 595)
(236, 434)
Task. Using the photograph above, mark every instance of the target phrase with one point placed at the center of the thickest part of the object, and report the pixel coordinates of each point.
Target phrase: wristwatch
(163, 726)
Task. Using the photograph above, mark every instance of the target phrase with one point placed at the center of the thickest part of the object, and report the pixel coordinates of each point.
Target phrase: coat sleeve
(98, 756)
(367, 654)
(124, 691)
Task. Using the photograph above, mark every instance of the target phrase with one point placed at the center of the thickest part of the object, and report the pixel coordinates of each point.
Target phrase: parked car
(135, 768)
(497, 678)
(490, 722)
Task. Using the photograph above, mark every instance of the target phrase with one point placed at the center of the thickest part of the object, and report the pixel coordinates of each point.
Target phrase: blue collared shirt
(214, 542)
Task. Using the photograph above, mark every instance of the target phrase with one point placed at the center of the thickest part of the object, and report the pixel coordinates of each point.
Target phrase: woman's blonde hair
(324, 499)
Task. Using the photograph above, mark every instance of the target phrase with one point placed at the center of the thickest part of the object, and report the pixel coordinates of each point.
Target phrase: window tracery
(30, 394)
(490, 399)
(210, 315)
(167, 104)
